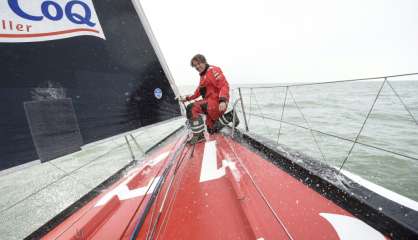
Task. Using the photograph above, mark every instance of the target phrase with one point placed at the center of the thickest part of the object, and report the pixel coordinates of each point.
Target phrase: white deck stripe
(209, 170)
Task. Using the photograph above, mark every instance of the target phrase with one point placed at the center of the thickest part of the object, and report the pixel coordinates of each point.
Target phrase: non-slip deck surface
(218, 190)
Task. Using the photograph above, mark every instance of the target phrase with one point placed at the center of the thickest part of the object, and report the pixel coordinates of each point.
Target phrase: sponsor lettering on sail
(44, 20)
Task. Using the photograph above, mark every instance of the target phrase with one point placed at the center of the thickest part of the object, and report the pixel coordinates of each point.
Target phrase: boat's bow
(219, 189)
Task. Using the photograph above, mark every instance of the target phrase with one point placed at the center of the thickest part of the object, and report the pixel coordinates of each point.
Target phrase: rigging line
(404, 105)
(364, 123)
(338, 81)
(233, 94)
(310, 128)
(171, 204)
(62, 170)
(184, 107)
(168, 214)
(130, 149)
(260, 192)
(87, 211)
(58, 179)
(281, 117)
(155, 207)
(251, 106)
(153, 212)
(149, 187)
(259, 108)
(149, 204)
(89, 144)
(191, 155)
(155, 193)
(137, 145)
(154, 196)
(338, 137)
(151, 225)
(173, 177)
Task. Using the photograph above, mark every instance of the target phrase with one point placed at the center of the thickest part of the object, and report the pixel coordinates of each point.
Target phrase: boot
(198, 127)
(223, 121)
(217, 126)
(229, 117)
(196, 138)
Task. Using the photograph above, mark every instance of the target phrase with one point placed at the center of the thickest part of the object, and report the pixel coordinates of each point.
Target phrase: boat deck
(218, 189)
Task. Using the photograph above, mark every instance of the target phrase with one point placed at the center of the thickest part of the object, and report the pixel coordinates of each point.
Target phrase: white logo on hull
(123, 192)
(349, 228)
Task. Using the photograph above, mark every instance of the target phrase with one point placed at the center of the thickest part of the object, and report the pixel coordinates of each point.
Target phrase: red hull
(218, 190)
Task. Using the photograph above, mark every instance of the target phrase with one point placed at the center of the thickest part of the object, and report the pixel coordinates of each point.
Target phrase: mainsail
(63, 87)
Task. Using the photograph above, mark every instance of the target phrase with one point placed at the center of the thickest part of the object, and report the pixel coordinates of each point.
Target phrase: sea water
(324, 120)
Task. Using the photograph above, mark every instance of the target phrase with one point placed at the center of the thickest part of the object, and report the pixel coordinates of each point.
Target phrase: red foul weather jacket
(212, 86)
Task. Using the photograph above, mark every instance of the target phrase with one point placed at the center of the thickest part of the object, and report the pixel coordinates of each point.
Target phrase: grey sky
(281, 41)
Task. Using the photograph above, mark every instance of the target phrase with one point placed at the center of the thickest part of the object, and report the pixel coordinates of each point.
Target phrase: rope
(251, 106)
(364, 123)
(404, 105)
(339, 81)
(339, 137)
(310, 128)
(153, 213)
(150, 227)
(156, 192)
(264, 117)
(261, 193)
(171, 203)
(281, 117)
(69, 175)
(259, 108)
(153, 225)
(58, 179)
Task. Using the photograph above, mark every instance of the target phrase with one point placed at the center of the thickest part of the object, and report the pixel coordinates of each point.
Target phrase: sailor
(214, 90)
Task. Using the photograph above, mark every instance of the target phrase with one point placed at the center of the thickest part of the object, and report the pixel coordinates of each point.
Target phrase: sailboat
(66, 90)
